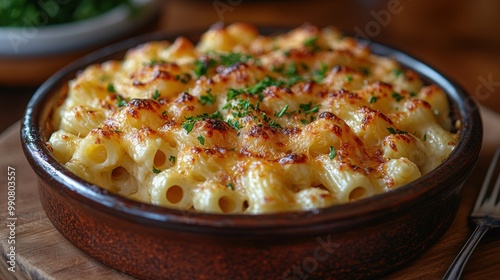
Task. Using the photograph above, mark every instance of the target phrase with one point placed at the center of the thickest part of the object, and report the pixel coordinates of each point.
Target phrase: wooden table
(460, 38)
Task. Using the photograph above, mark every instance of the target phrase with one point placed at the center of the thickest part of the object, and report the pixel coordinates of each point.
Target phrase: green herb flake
(154, 62)
(397, 72)
(183, 78)
(333, 153)
(292, 69)
(308, 108)
(156, 171)
(413, 94)
(274, 125)
(230, 186)
(172, 159)
(373, 99)
(189, 123)
(234, 124)
(282, 112)
(233, 58)
(156, 95)
(365, 71)
(201, 67)
(425, 137)
(348, 78)
(111, 88)
(304, 121)
(233, 93)
(207, 99)
(398, 97)
(312, 43)
(394, 131)
(201, 139)
(320, 74)
(120, 102)
(277, 68)
(164, 113)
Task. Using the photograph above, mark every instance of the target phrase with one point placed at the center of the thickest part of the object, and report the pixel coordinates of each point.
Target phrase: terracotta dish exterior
(362, 239)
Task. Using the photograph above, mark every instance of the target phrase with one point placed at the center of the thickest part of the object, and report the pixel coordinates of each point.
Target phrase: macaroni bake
(250, 123)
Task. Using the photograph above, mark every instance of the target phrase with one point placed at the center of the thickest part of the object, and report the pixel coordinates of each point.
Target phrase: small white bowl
(29, 55)
(74, 36)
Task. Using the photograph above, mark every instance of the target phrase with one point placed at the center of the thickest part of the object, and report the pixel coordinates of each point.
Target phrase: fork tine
(496, 210)
(487, 181)
(494, 194)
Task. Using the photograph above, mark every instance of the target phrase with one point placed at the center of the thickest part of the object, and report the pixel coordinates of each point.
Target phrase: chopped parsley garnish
(292, 69)
(365, 71)
(263, 84)
(398, 97)
(230, 186)
(393, 131)
(234, 124)
(233, 93)
(201, 67)
(312, 43)
(282, 112)
(256, 89)
(156, 171)
(278, 69)
(188, 125)
(183, 78)
(207, 99)
(156, 95)
(172, 159)
(348, 78)
(425, 137)
(201, 139)
(397, 72)
(319, 75)
(413, 94)
(164, 113)
(111, 88)
(304, 121)
(333, 153)
(154, 62)
(275, 125)
(373, 99)
(308, 109)
(120, 102)
(233, 58)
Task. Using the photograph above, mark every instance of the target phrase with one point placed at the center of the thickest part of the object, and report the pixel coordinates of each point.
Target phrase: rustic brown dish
(363, 239)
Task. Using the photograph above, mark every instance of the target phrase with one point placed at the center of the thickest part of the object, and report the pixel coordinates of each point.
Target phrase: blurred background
(460, 38)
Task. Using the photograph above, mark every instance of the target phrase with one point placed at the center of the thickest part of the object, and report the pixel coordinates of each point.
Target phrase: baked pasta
(248, 123)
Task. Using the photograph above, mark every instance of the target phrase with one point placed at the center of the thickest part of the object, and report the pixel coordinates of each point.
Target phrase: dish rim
(455, 168)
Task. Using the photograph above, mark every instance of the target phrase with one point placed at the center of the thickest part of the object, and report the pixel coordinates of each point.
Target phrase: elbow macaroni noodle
(247, 123)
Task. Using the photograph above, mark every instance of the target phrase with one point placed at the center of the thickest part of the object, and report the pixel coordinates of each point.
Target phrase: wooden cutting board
(42, 253)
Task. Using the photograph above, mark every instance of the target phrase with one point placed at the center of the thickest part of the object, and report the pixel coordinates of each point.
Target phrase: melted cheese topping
(247, 123)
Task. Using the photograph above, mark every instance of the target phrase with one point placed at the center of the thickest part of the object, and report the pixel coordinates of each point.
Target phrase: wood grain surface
(42, 253)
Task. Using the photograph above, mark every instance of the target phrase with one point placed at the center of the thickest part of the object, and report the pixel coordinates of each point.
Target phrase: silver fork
(486, 215)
